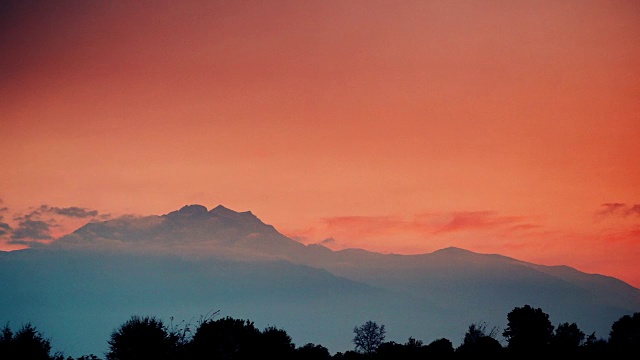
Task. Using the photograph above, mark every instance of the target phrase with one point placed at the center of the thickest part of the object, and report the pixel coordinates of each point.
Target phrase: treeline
(529, 334)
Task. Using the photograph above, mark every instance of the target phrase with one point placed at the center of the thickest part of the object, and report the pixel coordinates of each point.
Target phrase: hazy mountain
(192, 261)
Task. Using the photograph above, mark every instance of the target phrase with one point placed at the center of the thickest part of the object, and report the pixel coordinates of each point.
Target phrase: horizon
(396, 128)
(325, 244)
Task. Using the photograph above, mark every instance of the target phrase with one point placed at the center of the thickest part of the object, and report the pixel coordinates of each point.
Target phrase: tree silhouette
(368, 337)
(226, 338)
(594, 348)
(313, 352)
(528, 331)
(412, 350)
(624, 337)
(529, 334)
(390, 350)
(440, 349)
(480, 343)
(567, 339)
(26, 343)
(141, 338)
(276, 343)
(88, 357)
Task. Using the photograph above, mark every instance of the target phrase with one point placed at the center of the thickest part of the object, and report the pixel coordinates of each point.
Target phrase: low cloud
(619, 210)
(428, 224)
(31, 230)
(43, 223)
(72, 212)
(327, 241)
(411, 234)
(480, 220)
(4, 228)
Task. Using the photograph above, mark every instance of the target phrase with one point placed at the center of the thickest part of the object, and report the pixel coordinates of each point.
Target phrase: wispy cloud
(4, 228)
(327, 241)
(43, 223)
(30, 231)
(383, 231)
(72, 212)
(619, 209)
(480, 220)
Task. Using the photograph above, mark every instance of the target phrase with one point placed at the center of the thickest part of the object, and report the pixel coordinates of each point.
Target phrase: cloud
(628, 235)
(327, 241)
(30, 231)
(4, 228)
(44, 223)
(372, 225)
(480, 220)
(619, 209)
(2, 209)
(73, 211)
(428, 224)
(420, 227)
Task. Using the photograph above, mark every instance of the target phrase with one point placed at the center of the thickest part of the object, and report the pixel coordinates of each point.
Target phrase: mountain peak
(193, 209)
(221, 209)
(452, 250)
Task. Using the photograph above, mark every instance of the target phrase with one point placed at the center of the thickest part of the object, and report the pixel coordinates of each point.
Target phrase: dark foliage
(478, 343)
(26, 343)
(368, 337)
(624, 337)
(529, 335)
(226, 338)
(440, 349)
(276, 344)
(567, 340)
(313, 352)
(141, 338)
(529, 331)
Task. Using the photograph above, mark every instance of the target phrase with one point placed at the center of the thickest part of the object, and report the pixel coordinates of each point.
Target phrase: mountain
(191, 230)
(192, 261)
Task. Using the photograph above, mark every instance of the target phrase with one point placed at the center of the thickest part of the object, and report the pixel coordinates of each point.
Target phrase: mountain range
(188, 263)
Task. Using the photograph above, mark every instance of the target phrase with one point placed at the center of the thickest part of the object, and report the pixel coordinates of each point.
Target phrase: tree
(26, 343)
(624, 337)
(567, 339)
(478, 331)
(88, 357)
(440, 349)
(313, 352)
(368, 337)
(141, 338)
(478, 342)
(226, 338)
(276, 344)
(528, 331)
(594, 348)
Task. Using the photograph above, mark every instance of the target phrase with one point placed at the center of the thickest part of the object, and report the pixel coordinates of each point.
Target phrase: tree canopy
(368, 337)
(529, 334)
(528, 331)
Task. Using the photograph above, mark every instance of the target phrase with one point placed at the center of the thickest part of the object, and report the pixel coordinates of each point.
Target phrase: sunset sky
(508, 127)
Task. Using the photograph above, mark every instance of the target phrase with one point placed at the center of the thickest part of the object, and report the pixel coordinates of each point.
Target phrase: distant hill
(192, 261)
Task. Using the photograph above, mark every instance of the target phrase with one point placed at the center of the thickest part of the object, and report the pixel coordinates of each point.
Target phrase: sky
(399, 127)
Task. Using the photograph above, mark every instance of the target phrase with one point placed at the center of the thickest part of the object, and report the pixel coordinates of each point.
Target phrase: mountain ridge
(194, 259)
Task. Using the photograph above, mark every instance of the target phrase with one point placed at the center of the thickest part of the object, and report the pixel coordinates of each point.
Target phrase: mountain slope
(79, 297)
(192, 261)
(487, 287)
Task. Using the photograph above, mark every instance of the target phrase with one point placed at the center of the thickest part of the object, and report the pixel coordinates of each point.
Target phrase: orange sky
(497, 126)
